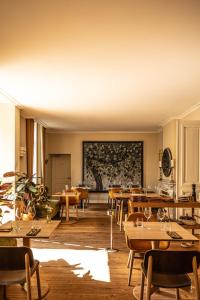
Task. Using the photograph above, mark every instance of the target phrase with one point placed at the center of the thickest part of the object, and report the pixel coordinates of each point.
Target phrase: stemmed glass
(147, 214)
(147, 190)
(18, 216)
(161, 216)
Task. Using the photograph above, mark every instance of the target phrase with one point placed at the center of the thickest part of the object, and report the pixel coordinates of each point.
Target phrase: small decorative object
(167, 162)
(160, 164)
(172, 171)
(160, 167)
(49, 213)
(194, 197)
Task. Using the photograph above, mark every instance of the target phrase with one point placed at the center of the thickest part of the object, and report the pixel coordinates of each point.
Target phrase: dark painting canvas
(109, 163)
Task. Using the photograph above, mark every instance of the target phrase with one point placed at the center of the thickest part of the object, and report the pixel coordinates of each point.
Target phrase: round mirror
(166, 162)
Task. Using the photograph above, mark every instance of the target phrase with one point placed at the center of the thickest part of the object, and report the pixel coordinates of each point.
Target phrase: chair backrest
(83, 192)
(13, 258)
(114, 190)
(171, 262)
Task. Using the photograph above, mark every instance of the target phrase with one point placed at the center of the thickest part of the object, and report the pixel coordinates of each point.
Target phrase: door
(61, 172)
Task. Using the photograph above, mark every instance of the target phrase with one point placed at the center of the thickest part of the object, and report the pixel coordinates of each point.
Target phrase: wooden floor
(76, 266)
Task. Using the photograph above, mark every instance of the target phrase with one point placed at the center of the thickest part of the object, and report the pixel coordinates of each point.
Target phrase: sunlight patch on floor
(91, 262)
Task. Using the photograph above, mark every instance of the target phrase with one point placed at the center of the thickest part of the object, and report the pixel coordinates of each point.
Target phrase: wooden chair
(139, 246)
(84, 196)
(111, 199)
(169, 269)
(71, 199)
(17, 265)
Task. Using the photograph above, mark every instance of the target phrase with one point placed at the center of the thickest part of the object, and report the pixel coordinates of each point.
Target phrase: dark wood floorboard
(75, 265)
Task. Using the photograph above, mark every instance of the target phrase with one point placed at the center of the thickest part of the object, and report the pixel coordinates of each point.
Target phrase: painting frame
(114, 161)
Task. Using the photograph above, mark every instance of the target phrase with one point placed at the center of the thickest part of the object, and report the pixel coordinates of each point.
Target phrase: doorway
(60, 172)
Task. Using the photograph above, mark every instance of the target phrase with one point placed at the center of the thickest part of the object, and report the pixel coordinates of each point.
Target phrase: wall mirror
(166, 162)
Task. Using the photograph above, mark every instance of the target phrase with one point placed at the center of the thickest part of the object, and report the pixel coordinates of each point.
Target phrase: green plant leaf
(20, 187)
(32, 189)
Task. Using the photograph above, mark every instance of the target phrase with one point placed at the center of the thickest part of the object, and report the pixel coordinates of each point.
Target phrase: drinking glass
(18, 217)
(139, 222)
(147, 214)
(161, 216)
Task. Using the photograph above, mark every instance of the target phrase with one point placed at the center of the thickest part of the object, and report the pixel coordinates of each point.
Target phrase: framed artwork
(111, 163)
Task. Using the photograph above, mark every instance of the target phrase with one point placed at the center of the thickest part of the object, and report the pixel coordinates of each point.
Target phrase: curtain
(29, 145)
(43, 153)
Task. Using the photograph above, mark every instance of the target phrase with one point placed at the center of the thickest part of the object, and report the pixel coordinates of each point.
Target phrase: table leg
(121, 215)
(67, 209)
(68, 221)
(155, 244)
(26, 242)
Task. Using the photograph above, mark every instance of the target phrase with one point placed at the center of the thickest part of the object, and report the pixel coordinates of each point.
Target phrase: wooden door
(61, 172)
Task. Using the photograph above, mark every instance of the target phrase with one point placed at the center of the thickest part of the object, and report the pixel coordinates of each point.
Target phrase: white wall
(9, 137)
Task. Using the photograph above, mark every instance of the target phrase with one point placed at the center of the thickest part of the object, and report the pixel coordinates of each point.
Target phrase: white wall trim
(49, 130)
(181, 116)
(6, 98)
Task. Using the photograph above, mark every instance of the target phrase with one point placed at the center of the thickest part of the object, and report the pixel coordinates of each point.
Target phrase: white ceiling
(120, 65)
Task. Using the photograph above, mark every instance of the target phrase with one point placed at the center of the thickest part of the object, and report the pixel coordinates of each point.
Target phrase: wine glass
(18, 216)
(161, 215)
(148, 189)
(147, 214)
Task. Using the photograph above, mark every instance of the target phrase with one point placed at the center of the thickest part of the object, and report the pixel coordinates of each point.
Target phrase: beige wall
(17, 139)
(170, 137)
(7, 137)
(71, 143)
(23, 144)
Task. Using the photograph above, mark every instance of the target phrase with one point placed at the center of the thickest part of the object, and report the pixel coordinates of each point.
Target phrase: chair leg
(28, 276)
(38, 283)
(4, 292)
(129, 258)
(142, 286)
(196, 282)
(61, 213)
(149, 277)
(132, 255)
(77, 212)
(177, 294)
(83, 205)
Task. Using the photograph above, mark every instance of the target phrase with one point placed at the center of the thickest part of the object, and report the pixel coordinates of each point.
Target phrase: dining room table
(157, 232)
(66, 196)
(27, 230)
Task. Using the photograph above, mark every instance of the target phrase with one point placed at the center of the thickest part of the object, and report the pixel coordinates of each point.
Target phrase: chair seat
(12, 277)
(169, 281)
(8, 277)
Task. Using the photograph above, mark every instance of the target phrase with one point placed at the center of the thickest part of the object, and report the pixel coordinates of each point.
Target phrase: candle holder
(160, 179)
(172, 175)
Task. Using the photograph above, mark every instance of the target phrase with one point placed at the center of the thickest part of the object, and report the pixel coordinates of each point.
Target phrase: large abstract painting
(112, 163)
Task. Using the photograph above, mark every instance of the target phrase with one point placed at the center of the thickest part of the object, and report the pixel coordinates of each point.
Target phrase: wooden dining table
(24, 227)
(66, 196)
(153, 231)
